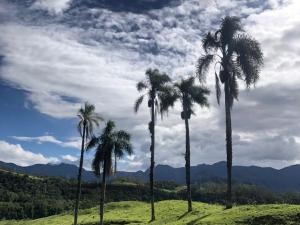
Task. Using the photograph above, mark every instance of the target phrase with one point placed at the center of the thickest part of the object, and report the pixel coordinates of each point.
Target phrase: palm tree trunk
(115, 164)
(152, 160)
(188, 161)
(228, 144)
(78, 191)
(102, 195)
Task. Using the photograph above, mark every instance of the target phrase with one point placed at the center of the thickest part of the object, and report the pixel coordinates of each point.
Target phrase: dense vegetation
(173, 213)
(23, 196)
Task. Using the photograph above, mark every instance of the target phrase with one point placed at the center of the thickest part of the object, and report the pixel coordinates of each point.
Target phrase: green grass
(173, 213)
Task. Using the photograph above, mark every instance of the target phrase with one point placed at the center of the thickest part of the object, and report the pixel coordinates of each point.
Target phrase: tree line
(31, 197)
(234, 56)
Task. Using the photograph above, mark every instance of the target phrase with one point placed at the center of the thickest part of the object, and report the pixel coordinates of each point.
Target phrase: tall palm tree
(188, 93)
(88, 119)
(235, 55)
(156, 86)
(108, 144)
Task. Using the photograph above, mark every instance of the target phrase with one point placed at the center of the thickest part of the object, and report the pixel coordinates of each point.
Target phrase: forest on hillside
(23, 196)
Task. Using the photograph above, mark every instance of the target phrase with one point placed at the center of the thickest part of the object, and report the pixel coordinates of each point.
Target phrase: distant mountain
(54, 170)
(282, 180)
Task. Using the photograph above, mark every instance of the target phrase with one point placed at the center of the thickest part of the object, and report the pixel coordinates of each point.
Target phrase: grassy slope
(172, 213)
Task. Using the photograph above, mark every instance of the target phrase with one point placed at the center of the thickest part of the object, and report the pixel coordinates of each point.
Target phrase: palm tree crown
(88, 119)
(236, 56)
(188, 93)
(157, 85)
(109, 143)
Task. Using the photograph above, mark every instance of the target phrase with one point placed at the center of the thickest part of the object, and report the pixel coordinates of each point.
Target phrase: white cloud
(69, 158)
(73, 142)
(105, 53)
(16, 154)
(53, 6)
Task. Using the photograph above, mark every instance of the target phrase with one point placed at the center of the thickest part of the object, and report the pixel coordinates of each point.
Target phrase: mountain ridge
(280, 180)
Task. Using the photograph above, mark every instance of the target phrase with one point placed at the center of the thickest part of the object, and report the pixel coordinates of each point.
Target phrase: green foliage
(27, 197)
(109, 143)
(235, 55)
(24, 197)
(88, 119)
(157, 86)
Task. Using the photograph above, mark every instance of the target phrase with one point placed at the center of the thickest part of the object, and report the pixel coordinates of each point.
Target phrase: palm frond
(156, 109)
(203, 65)
(209, 42)
(138, 103)
(234, 90)
(167, 97)
(123, 135)
(109, 144)
(156, 78)
(230, 26)
(92, 143)
(89, 118)
(80, 127)
(98, 161)
(109, 165)
(218, 88)
(141, 86)
(249, 57)
(199, 95)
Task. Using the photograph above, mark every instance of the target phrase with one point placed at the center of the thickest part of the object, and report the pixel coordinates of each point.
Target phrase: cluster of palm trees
(111, 145)
(234, 56)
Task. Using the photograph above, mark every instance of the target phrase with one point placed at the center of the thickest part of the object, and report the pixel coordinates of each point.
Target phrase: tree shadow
(193, 222)
(183, 215)
(113, 222)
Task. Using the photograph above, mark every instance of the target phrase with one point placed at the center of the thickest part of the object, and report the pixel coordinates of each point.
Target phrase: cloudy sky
(56, 54)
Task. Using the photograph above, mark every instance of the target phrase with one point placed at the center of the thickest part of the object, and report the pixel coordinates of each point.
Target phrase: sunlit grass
(173, 213)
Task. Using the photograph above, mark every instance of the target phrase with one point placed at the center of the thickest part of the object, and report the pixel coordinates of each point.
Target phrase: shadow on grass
(114, 222)
(193, 222)
(183, 215)
(274, 220)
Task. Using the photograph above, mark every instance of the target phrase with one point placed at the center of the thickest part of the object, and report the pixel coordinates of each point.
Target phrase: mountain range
(279, 180)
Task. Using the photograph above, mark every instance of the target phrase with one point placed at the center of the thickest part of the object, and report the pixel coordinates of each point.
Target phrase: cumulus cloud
(69, 158)
(16, 154)
(53, 6)
(73, 142)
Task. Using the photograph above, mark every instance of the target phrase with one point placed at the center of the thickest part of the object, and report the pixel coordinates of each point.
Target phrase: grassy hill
(171, 212)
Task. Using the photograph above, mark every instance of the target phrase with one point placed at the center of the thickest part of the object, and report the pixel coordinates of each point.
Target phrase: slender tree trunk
(188, 161)
(102, 195)
(115, 164)
(152, 160)
(228, 144)
(78, 191)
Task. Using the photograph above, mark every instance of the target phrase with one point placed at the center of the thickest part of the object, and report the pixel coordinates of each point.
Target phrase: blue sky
(19, 119)
(61, 53)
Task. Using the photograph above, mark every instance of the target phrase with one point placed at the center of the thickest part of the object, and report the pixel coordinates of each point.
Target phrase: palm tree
(235, 55)
(109, 143)
(156, 84)
(189, 94)
(88, 119)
